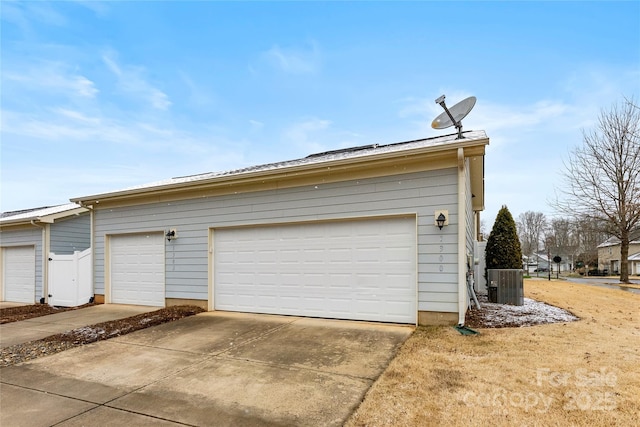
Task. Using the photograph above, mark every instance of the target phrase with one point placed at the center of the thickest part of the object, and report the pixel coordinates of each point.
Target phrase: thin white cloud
(131, 81)
(67, 127)
(111, 64)
(198, 96)
(101, 9)
(76, 115)
(84, 86)
(44, 13)
(305, 134)
(495, 118)
(51, 77)
(23, 14)
(295, 60)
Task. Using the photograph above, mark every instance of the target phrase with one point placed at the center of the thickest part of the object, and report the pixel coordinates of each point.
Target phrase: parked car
(541, 270)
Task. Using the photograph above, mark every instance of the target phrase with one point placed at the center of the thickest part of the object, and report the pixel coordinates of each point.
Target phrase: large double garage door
(363, 270)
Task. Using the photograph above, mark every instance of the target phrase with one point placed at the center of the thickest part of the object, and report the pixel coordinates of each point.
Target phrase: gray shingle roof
(360, 152)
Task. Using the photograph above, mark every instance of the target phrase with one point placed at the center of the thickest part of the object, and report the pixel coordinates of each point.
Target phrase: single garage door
(19, 274)
(137, 269)
(362, 270)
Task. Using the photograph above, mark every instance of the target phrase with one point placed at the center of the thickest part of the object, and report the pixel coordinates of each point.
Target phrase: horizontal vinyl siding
(27, 237)
(187, 256)
(70, 235)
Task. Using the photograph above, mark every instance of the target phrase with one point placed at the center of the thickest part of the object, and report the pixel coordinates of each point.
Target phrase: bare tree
(530, 228)
(603, 176)
(589, 235)
(562, 233)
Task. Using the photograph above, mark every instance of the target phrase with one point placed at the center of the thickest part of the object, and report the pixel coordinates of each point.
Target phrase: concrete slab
(41, 327)
(358, 349)
(208, 333)
(47, 381)
(114, 417)
(240, 392)
(31, 408)
(116, 366)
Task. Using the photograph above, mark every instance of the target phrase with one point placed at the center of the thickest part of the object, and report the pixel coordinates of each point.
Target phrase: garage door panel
(19, 274)
(346, 269)
(137, 269)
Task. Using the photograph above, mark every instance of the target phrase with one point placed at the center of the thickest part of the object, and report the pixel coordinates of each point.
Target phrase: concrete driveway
(215, 368)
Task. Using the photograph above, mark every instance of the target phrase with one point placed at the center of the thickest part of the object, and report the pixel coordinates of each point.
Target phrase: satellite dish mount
(453, 116)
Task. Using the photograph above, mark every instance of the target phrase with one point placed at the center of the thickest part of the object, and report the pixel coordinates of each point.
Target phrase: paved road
(605, 282)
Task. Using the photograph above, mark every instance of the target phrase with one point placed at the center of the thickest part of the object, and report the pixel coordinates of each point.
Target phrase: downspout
(462, 233)
(45, 261)
(93, 250)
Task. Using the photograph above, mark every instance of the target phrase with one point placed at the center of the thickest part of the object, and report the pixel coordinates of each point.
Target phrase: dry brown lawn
(582, 373)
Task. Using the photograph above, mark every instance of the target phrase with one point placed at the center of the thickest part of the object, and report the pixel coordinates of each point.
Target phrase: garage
(353, 269)
(137, 269)
(19, 274)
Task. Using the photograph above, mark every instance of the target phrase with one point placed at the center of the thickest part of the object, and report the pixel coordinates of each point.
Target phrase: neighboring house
(634, 264)
(348, 234)
(28, 237)
(540, 261)
(609, 254)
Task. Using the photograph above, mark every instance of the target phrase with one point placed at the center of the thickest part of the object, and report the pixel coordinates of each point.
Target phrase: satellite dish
(453, 116)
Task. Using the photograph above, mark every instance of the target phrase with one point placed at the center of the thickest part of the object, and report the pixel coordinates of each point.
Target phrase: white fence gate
(480, 284)
(70, 279)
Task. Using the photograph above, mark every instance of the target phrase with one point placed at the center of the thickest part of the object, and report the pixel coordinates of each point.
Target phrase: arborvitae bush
(503, 246)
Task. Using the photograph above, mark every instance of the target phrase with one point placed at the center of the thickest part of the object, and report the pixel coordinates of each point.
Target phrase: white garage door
(19, 274)
(362, 270)
(137, 269)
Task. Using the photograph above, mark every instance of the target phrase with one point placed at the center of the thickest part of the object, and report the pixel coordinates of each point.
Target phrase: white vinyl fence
(70, 279)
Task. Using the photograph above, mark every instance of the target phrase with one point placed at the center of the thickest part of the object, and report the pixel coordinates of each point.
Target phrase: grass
(581, 373)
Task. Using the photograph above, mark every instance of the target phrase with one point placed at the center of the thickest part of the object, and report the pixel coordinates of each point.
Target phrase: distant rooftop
(36, 213)
(22, 211)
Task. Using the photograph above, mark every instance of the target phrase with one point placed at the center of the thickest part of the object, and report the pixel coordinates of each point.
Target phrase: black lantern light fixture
(441, 220)
(171, 235)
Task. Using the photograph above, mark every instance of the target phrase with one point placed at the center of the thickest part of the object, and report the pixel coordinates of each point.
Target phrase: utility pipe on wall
(462, 238)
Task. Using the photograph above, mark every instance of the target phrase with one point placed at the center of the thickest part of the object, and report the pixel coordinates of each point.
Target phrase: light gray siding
(31, 236)
(70, 235)
(187, 257)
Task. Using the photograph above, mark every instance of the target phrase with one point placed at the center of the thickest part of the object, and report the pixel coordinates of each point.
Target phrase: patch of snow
(531, 313)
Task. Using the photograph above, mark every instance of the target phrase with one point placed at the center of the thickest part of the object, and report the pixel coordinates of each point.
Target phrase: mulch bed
(89, 334)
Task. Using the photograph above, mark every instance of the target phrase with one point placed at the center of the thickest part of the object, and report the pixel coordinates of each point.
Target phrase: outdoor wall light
(171, 235)
(442, 218)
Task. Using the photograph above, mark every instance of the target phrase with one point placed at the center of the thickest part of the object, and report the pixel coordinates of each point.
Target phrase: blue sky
(99, 96)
